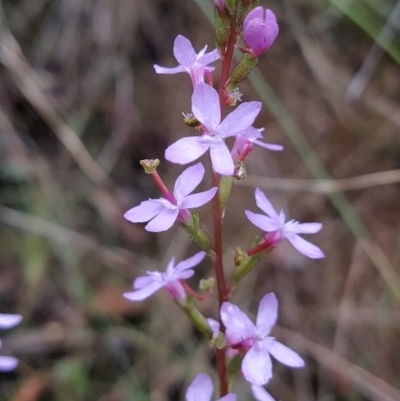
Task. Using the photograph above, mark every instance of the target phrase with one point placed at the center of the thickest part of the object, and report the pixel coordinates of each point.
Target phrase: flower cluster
(234, 336)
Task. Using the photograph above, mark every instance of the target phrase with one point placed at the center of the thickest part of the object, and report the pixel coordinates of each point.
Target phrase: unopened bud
(207, 284)
(218, 340)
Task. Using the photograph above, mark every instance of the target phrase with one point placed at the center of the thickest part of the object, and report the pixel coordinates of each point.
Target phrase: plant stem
(218, 265)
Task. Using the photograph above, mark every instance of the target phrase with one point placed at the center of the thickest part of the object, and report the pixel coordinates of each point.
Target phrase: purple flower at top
(260, 394)
(244, 143)
(275, 224)
(194, 64)
(258, 32)
(162, 212)
(7, 321)
(145, 286)
(206, 108)
(201, 389)
(240, 330)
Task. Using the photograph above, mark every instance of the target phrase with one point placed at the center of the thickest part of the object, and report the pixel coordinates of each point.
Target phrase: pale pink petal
(200, 199)
(144, 292)
(205, 105)
(264, 204)
(163, 221)
(307, 228)
(166, 70)
(188, 181)
(228, 397)
(200, 389)
(305, 247)
(285, 355)
(8, 320)
(183, 275)
(257, 364)
(221, 158)
(142, 281)
(269, 146)
(260, 394)
(213, 324)
(201, 53)
(190, 262)
(209, 57)
(8, 363)
(237, 321)
(145, 211)
(240, 119)
(186, 150)
(184, 52)
(265, 223)
(267, 314)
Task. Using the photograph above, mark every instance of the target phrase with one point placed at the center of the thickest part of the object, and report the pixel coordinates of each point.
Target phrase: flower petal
(186, 150)
(188, 181)
(257, 364)
(305, 247)
(205, 105)
(228, 397)
(237, 321)
(260, 394)
(307, 228)
(267, 314)
(269, 146)
(166, 70)
(8, 320)
(221, 158)
(285, 355)
(265, 223)
(190, 262)
(200, 199)
(143, 281)
(184, 52)
(8, 363)
(209, 57)
(240, 119)
(200, 389)
(213, 324)
(264, 204)
(144, 292)
(271, 29)
(163, 221)
(145, 211)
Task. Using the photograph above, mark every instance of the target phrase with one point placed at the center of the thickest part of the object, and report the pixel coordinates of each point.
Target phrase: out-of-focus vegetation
(80, 105)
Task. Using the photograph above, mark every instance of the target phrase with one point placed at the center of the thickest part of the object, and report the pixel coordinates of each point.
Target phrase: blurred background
(81, 105)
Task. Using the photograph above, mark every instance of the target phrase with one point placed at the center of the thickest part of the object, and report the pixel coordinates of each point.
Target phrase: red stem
(226, 62)
(218, 266)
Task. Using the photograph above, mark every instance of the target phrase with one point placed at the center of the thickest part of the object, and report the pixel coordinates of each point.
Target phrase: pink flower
(145, 286)
(162, 212)
(201, 389)
(257, 364)
(206, 108)
(194, 64)
(258, 32)
(244, 143)
(7, 321)
(275, 224)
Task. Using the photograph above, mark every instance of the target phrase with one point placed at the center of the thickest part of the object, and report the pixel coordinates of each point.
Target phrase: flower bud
(220, 5)
(259, 32)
